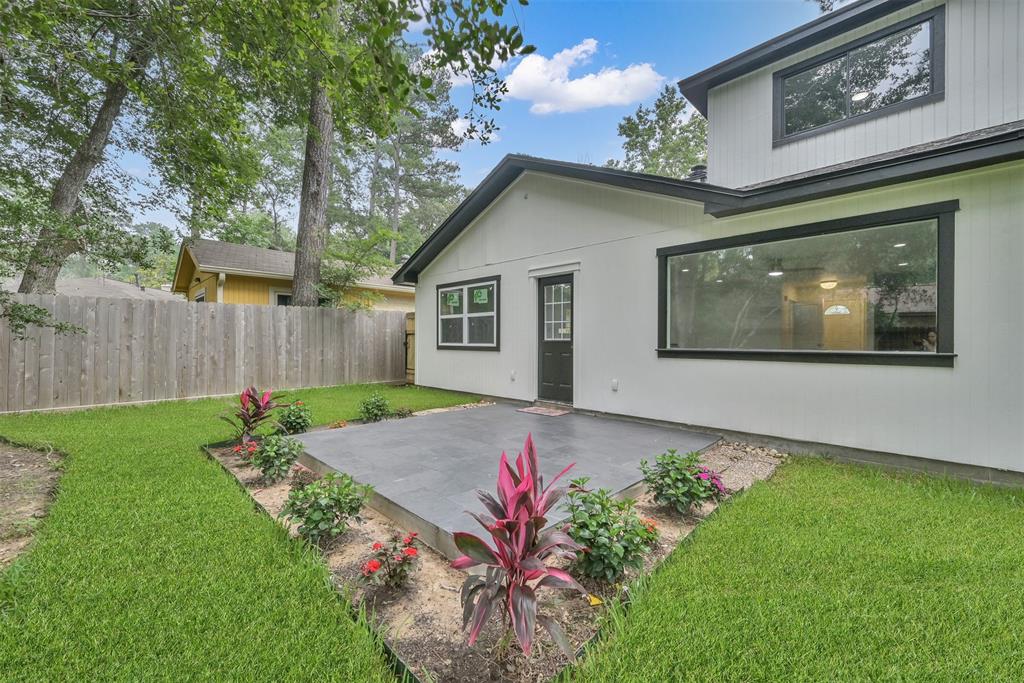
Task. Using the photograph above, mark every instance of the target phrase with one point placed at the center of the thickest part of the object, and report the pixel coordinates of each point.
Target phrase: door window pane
(863, 290)
(558, 312)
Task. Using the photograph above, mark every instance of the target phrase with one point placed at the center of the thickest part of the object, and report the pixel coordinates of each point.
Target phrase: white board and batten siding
(984, 87)
(972, 413)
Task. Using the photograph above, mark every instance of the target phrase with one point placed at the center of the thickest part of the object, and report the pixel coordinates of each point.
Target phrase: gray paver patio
(432, 465)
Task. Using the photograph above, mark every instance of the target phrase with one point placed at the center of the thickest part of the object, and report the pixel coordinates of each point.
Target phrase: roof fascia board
(177, 269)
(241, 271)
(934, 163)
(695, 88)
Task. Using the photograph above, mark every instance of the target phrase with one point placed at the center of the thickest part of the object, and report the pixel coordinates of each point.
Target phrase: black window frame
(464, 346)
(937, 49)
(942, 212)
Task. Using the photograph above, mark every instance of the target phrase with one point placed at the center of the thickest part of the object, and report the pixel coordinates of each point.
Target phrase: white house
(849, 274)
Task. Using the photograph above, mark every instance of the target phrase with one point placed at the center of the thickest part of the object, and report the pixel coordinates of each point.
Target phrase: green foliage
(203, 551)
(323, 509)
(681, 481)
(275, 456)
(614, 535)
(295, 418)
(663, 139)
(375, 408)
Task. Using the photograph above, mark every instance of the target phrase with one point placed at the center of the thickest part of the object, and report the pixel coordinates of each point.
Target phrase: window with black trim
(869, 284)
(467, 314)
(899, 65)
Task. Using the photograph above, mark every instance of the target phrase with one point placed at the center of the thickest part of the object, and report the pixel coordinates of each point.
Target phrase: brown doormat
(541, 410)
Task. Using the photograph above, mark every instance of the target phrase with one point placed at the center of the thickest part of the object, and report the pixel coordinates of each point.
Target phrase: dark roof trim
(937, 159)
(513, 165)
(953, 158)
(839, 21)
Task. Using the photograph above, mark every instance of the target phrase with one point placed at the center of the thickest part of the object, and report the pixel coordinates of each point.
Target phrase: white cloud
(546, 83)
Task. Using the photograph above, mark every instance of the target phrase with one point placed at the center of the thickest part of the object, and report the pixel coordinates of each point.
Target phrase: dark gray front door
(555, 302)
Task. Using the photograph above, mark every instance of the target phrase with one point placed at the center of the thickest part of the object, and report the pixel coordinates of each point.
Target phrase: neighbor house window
(200, 296)
(868, 284)
(467, 314)
(901, 64)
(281, 297)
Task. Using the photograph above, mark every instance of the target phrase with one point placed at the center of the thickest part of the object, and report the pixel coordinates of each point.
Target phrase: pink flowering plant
(254, 409)
(681, 481)
(392, 561)
(516, 560)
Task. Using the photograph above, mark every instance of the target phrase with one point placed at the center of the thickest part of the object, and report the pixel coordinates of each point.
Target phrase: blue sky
(637, 44)
(596, 61)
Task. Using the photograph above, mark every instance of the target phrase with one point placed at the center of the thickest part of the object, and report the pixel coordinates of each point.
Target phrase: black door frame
(554, 280)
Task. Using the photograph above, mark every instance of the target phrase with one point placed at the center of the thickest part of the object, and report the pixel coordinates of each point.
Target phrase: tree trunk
(396, 198)
(54, 246)
(316, 179)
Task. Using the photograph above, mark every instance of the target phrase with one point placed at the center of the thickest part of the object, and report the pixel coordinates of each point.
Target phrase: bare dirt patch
(422, 622)
(27, 481)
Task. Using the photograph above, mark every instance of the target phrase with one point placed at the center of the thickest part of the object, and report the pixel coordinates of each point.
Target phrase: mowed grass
(154, 565)
(832, 572)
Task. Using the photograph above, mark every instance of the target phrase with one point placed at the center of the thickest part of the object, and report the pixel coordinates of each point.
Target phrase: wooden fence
(139, 350)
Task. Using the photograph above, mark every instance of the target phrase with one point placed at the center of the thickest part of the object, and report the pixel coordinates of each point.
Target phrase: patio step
(553, 405)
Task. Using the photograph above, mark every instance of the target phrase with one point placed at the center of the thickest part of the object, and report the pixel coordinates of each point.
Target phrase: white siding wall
(972, 413)
(984, 87)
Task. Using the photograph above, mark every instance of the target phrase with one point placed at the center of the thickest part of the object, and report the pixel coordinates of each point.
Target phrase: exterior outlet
(615, 385)
(512, 376)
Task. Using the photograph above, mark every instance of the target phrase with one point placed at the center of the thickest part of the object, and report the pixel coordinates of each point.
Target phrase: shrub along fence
(139, 350)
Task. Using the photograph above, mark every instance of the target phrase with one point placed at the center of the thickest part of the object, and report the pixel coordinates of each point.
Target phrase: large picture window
(900, 65)
(467, 314)
(879, 284)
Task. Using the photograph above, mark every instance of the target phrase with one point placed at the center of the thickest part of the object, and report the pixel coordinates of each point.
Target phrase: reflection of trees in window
(737, 298)
(890, 70)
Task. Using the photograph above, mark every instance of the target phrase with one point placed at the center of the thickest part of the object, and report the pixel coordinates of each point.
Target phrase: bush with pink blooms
(681, 481)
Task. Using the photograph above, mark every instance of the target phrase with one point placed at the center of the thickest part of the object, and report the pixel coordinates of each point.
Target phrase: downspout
(220, 287)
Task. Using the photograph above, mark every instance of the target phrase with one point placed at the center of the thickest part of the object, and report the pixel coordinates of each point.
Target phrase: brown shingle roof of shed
(212, 255)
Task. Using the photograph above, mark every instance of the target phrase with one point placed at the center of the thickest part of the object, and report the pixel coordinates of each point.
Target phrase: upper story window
(467, 315)
(901, 65)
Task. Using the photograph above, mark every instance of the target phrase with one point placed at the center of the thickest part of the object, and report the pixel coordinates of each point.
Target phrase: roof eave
(695, 88)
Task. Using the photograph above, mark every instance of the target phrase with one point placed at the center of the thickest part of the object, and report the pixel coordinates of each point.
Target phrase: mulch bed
(422, 622)
(28, 480)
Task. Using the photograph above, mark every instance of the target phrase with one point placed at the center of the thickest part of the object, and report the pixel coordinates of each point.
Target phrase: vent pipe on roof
(698, 173)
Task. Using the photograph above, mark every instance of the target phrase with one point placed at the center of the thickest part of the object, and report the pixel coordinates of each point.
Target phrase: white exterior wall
(984, 87)
(972, 413)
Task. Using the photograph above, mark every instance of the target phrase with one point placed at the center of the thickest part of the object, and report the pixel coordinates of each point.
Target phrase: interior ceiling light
(828, 284)
(900, 245)
(776, 270)
(903, 264)
(860, 96)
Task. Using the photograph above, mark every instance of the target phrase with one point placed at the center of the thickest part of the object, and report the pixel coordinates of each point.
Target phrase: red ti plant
(253, 410)
(516, 566)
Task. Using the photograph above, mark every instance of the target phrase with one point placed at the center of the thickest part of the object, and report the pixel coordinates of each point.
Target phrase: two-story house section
(847, 277)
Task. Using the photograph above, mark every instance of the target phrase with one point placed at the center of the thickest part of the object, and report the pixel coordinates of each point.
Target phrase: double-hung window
(467, 315)
(899, 66)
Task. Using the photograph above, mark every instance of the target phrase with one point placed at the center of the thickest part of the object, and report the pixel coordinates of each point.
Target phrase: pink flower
(703, 475)
(378, 545)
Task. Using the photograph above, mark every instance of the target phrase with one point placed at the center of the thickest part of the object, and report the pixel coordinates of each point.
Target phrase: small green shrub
(296, 418)
(374, 407)
(323, 509)
(615, 536)
(302, 476)
(275, 456)
(681, 481)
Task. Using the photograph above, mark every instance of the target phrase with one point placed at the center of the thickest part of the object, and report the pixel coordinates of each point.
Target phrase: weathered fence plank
(135, 351)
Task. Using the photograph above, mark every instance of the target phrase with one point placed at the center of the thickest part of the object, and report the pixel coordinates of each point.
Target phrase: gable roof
(846, 18)
(513, 165)
(214, 256)
(994, 145)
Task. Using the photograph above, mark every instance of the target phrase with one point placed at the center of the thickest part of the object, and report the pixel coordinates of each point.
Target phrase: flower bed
(422, 621)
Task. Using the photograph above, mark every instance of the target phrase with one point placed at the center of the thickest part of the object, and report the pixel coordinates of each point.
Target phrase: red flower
(397, 558)
(410, 538)
(411, 552)
(238, 449)
(371, 566)
(378, 545)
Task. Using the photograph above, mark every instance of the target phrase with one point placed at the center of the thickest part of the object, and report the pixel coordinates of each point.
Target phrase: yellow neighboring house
(229, 273)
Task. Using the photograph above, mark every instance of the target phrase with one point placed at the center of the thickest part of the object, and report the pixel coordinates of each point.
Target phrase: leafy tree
(663, 140)
(86, 82)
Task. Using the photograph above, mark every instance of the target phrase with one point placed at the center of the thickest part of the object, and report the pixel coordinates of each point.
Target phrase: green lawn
(834, 573)
(153, 564)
